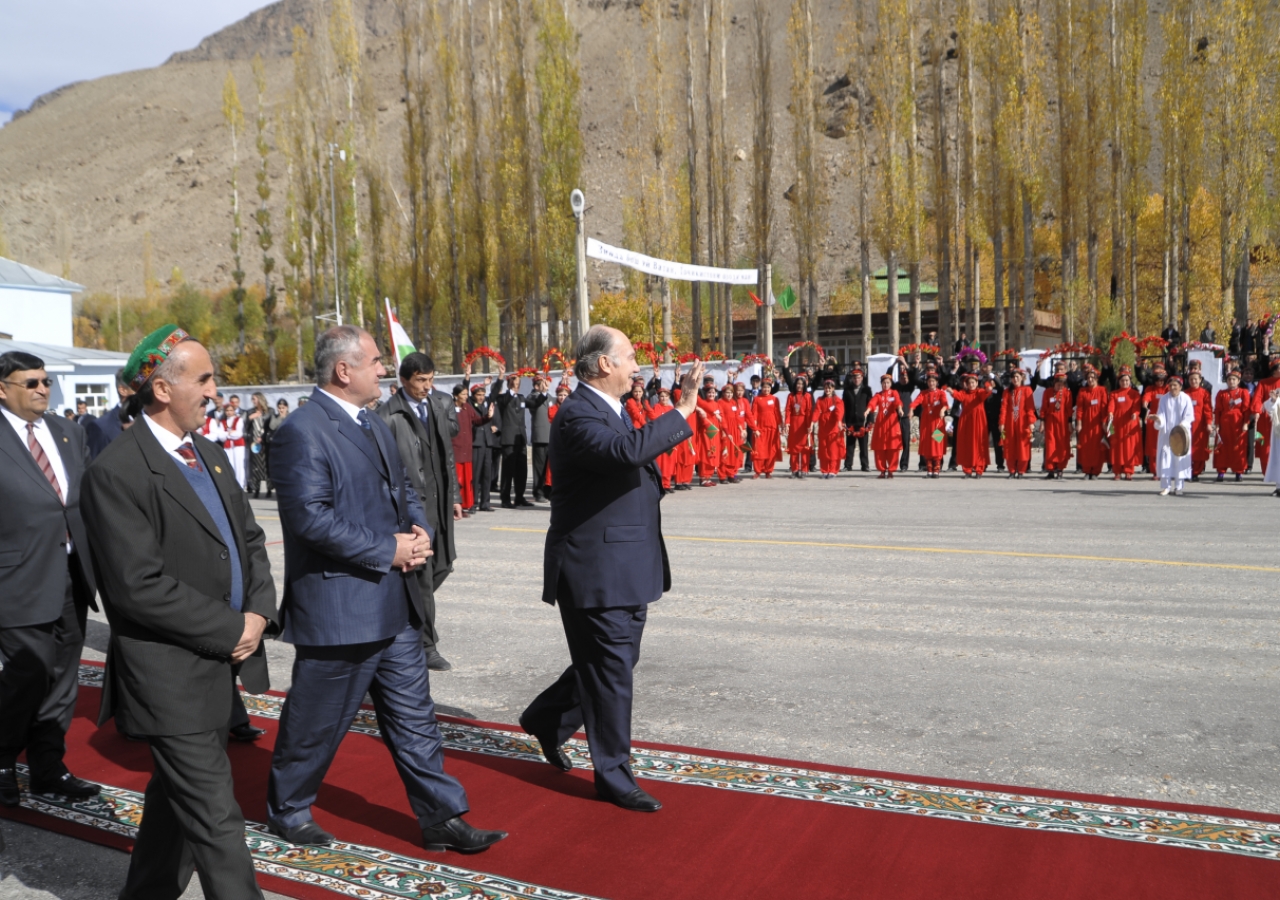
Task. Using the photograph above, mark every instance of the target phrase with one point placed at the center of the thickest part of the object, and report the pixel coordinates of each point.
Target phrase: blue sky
(45, 44)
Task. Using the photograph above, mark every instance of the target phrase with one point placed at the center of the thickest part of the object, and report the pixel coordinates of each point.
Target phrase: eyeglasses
(32, 383)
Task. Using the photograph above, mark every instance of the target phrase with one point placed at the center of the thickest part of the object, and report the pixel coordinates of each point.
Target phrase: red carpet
(706, 842)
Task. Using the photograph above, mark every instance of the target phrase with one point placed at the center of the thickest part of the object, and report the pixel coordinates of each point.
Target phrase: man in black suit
(513, 439)
(605, 560)
(484, 443)
(540, 426)
(108, 426)
(187, 587)
(46, 581)
(424, 425)
(857, 396)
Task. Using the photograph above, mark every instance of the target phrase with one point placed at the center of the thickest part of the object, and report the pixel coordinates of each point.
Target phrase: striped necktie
(188, 453)
(42, 460)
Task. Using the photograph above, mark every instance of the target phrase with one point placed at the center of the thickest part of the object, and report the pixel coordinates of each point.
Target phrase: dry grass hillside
(87, 174)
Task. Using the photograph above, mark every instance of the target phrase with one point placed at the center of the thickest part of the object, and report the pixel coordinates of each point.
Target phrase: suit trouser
(596, 690)
(190, 820)
(38, 688)
(329, 684)
(860, 444)
(905, 431)
(481, 474)
(427, 589)
(998, 446)
(515, 472)
(540, 471)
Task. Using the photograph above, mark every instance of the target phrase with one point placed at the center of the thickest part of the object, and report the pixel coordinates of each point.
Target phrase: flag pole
(768, 311)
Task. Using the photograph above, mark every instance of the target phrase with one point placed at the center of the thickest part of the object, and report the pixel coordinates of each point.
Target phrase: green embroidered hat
(151, 351)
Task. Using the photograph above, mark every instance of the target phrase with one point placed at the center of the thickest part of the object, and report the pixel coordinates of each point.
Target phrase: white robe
(1173, 411)
(1273, 461)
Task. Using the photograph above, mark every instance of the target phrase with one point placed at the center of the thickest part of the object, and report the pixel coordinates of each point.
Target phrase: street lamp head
(577, 202)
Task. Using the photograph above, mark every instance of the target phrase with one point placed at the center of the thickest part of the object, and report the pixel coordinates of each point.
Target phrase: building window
(94, 396)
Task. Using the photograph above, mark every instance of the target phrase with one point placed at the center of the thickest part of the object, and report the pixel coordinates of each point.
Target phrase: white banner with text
(665, 268)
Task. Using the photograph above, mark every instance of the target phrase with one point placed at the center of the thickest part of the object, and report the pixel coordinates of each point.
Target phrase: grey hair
(597, 342)
(341, 343)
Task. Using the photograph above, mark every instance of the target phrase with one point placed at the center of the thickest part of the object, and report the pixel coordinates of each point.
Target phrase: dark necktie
(188, 453)
(42, 460)
(363, 418)
(423, 414)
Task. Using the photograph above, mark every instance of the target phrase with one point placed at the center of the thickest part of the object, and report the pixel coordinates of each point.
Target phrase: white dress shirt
(169, 441)
(350, 408)
(46, 440)
(614, 403)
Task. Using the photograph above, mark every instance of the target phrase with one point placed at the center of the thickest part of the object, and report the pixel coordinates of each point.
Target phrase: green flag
(787, 298)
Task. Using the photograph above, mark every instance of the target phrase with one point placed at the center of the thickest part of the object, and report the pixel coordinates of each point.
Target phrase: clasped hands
(412, 549)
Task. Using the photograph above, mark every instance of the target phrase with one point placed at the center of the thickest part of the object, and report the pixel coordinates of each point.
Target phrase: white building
(35, 306)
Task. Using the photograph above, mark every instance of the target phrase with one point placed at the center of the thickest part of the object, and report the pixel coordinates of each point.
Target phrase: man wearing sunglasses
(46, 581)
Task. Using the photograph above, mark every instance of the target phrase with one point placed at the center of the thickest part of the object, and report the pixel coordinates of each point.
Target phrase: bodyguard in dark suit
(46, 580)
(484, 444)
(354, 532)
(605, 560)
(424, 425)
(107, 427)
(513, 438)
(187, 587)
(540, 437)
(857, 397)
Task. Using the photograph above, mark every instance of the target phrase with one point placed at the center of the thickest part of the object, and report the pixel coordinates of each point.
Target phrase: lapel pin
(218, 469)
(66, 441)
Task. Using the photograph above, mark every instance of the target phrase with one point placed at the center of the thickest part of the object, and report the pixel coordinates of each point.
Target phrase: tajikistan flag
(399, 337)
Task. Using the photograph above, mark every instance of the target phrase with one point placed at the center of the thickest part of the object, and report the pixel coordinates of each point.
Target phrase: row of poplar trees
(1000, 148)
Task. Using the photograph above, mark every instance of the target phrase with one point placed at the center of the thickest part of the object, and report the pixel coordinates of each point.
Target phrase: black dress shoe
(305, 833)
(10, 795)
(456, 834)
(507, 504)
(436, 662)
(554, 753)
(524, 504)
(68, 786)
(486, 509)
(637, 800)
(247, 733)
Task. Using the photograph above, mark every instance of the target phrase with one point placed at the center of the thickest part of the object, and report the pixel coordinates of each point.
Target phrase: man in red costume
(766, 423)
(1202, 401)
(799, 423)
(1055, 413)
(1017, 420)
(934, 404)
(1092, 411)
(830, 415)
(1233, 425)
(1124, 422)
(972, 437)
(886, 413)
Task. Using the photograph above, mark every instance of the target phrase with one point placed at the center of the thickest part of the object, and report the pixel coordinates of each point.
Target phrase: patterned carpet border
(1191, 831)
(351, 870)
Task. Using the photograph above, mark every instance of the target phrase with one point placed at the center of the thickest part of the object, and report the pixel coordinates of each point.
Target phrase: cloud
(54, 42)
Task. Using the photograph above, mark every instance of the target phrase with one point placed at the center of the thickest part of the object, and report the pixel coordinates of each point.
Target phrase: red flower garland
(1071, 349)
(1217, 349)
(925, 349)
(1123, 336)
(715, 356)
(554, 353)
(528, 372)
(1153, 340)
(799, 345)
(752, 358)
(484, 351)
(644, 351)
(688, 357)
(1008, 354)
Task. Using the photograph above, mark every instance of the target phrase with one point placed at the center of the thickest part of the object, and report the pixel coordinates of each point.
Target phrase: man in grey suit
(424, 424)
(187, 588)
(540, 436)
(46, 581)
(354, 532)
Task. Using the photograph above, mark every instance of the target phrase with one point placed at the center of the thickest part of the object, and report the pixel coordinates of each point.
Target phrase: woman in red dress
(637, 405)
(766, 422)
(730, 445)
(830, 415)
(1124, 424)
(972, 436)
(1017, 421)
(934, 405)
(1232, 414)
(1055, 412)
(885, 411)
(1151, 395)
(667, 461)
(1092, 410)
(710, 426)
(799, 423)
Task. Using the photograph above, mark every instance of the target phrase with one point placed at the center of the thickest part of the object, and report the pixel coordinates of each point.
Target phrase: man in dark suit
(187, 587)
(513, 438)
(484, 444)
(354, 532)
(857, 396)
(605, 560)
(540, 436)
(108, 426)
(46, 581)
(424, 424)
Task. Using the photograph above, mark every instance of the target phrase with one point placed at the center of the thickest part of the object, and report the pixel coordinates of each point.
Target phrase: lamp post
(578, 204)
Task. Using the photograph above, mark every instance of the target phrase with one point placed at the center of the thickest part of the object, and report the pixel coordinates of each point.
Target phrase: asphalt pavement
(1064, 635)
